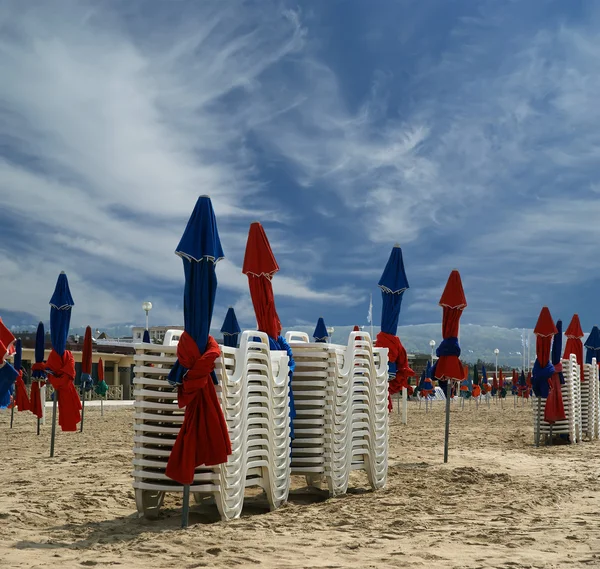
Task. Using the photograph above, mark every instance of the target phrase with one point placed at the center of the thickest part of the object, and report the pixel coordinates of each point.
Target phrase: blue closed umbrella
(592, 345)
(203, 438)
(230, 329)
(556, 354)
(38, 375)
(393, 283)
(146, 338)
(60, 314)
(320, 334)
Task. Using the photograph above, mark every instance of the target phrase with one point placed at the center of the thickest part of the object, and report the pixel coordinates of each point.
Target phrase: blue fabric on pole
(86, 382)
(522, 380)
(448, 347)
(392, 368)
(539, 378)
(421, 385)
(146, 338)
(592, 345)
(40, 339)
(200, 249)
(428, 370)
(320, 334)
(18, 359)
(60, 314)
(280, 344)
(230, 329)
(8, 376)
(393, 283)
(556, 356)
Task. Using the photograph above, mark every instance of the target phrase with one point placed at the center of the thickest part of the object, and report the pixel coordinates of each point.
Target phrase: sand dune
(498, 503)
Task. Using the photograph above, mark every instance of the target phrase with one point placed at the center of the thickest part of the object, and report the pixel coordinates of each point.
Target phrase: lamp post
(432, 345)
(146, 307)
(496, 352)
(330, 332)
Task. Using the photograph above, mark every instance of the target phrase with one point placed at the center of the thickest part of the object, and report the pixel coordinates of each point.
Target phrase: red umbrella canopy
(100, 370)
(574, 345)
(453, 302)
(86, 356)
(544, 331)
(500, 379)
(260, 266)
(515, 377)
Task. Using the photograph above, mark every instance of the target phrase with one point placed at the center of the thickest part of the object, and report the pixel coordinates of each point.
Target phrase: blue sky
(467, 131)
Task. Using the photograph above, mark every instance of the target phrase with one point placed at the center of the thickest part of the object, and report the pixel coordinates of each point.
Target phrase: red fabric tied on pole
(263, 300)
(203, 438)
(21, 398)
(7, 341)
(397, 355)
(555, 409)
(574, 345)
(62, 380)
(476, 391)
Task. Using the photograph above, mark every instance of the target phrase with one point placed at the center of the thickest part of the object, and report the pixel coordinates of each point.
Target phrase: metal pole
(538, 423)
(12, 413)
(404, 406)
(53, 435)
(82, 407)
(447, 433)
(185, 514)
(147, 320)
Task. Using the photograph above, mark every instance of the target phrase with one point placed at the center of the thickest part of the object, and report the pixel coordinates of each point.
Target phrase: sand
(498, 503)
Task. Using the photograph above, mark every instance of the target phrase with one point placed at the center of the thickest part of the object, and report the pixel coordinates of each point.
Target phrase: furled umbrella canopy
(393, 283)
(21, 398)
(146, 337)
(522, 385)
(484, 381)
(476, 383)
(320, 334)
(8, 374)
(230, 329)
(203, 438)
(426, 385)
(38, 373)
(60, 365)
(592, 345)
(574, 345)
(501, 387)
(453, 302)
(86, 361)
(542, 368)
(260, 266)
(494, 386)
(515, 382)
(555, 409)
(101, 387)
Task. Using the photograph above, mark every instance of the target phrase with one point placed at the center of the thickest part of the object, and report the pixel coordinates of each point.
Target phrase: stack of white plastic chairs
(571, 394)
(254, 394)
(589, 401)
(340, 395)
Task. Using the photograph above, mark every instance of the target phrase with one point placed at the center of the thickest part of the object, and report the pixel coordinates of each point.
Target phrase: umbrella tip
(396, 245)
(205, 196)
(62, 272)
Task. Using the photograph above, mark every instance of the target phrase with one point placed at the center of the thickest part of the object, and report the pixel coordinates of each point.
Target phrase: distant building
(157, 333)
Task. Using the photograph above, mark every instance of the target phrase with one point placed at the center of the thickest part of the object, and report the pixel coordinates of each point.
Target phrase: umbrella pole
(185, 514)
(12, 414)
(101, 406)
(447, 433)
(538, 422)
(53, 435)
(38, 425)
(404, 406)
(551, 425)
(82, 408)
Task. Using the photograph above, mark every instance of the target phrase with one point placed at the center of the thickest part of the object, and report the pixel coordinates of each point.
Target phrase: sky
(466, 131)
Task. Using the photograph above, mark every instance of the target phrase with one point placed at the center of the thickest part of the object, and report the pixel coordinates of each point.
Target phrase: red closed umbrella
(448, 365)
(86, 370)
(574, 344)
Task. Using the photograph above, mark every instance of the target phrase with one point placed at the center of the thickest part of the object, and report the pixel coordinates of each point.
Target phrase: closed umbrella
(101, 388)
(86, 370)
(574, 345)
(60, 365)
(260, 266)
(448, 366)
(21, 401)
(393, 283)
(592, 345)
(320, 334)
(476, 385)
(38, 377)
(555, 409)
(8, 374)
(203, 438)
(543, 369)
(230, 329)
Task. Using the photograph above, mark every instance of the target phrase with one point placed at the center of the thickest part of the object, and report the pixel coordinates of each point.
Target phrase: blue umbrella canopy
(393, 283)
(146, 338)
(8, 374)
(592, 345)
(40, 338)
(320, 334)
(230, 329)
(18, 359)
(556, 354)
(60, 314)
(484, 379)
(200, 249)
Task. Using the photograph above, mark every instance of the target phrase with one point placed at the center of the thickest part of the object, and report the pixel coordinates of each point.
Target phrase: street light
(146, 307)
(496, 351)
(330, 332)
(432, 345)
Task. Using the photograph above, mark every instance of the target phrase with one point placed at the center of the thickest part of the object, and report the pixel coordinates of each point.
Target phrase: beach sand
(499, 502)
